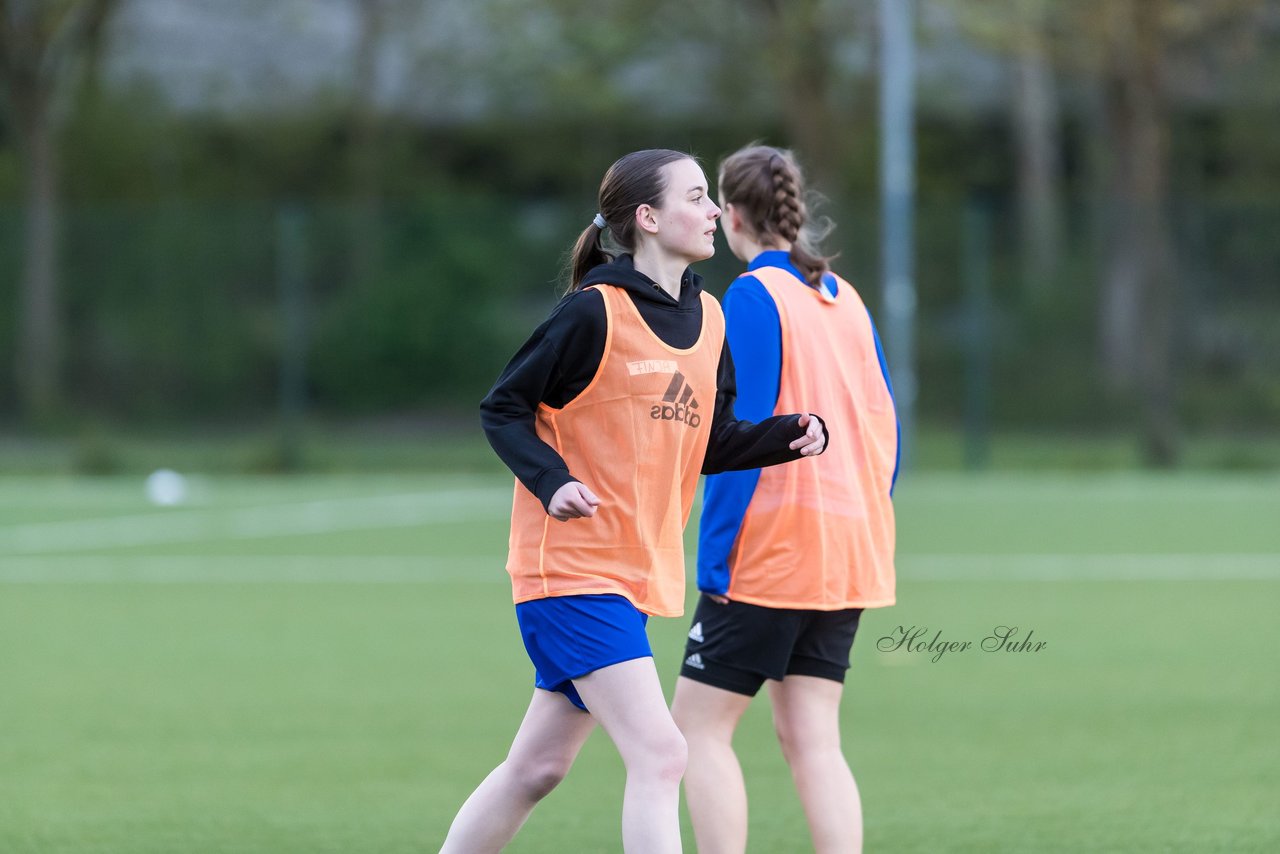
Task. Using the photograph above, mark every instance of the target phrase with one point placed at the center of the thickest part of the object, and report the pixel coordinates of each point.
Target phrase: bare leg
(545, 746)
(713, 785)
(806, 714)
(627, 700)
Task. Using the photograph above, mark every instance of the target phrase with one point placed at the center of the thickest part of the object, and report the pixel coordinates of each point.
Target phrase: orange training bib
(636, 436)
(819, 533)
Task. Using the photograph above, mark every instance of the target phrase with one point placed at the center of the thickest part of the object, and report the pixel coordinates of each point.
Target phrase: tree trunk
(38, 350)
(1036, 131)
(1120, 302)
(802, 63)
(364, 233)
(1140, 293)
(39, 44)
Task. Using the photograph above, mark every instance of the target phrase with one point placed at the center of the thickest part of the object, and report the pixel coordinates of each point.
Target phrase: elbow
(499, 410)
(487, 406)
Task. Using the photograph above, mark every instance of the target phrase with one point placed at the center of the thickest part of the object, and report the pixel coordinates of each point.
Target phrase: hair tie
(600, 223)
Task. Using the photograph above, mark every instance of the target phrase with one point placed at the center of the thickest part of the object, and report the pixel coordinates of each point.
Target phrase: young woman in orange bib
(607, 415)
(788, 557)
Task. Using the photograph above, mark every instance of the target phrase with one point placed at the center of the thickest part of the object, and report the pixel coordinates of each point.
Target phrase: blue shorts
(568, 637)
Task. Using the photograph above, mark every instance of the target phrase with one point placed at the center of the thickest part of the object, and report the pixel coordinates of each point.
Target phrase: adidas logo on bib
(695, 633)
(695, 661)
(678, 404)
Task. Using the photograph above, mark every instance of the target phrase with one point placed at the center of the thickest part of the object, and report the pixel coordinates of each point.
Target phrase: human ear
(731, 218)
(646, 220)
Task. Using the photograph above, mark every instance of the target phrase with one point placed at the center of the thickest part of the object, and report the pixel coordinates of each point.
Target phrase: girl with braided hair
(788, 557)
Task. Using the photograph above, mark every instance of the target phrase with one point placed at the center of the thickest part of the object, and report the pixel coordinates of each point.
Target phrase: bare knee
(536, 778)
(674, 758)
(662, 757)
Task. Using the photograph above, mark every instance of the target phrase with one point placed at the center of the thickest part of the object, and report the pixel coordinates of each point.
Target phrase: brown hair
(766, 186)
(633, 180)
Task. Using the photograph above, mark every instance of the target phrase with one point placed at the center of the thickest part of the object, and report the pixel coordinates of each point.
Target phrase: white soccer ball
(166, 488)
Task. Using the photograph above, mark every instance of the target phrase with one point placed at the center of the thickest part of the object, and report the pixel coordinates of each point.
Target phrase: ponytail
(588, 252)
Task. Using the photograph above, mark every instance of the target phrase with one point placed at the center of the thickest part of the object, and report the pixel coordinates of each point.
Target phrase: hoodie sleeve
(736, 445)
(557, 362)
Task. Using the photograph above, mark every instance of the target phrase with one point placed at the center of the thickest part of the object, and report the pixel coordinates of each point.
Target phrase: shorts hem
(729, 685)
(577, 703)
(609, 663)
(817, 668)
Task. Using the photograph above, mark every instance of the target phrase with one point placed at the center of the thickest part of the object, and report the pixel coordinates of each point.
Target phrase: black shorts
(736, 646)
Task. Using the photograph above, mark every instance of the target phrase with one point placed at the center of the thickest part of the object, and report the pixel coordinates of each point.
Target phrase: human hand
(572, 501)
(814, 439)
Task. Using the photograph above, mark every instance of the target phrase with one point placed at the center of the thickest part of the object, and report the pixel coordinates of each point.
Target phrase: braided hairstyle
(767, 188)
(633, 180)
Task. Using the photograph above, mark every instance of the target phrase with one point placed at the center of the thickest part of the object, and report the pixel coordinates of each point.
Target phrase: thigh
(806, 710)
(553, 731)
(702, 708)
(627, 700)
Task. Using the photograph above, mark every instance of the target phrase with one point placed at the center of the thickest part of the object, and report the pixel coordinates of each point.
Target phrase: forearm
(739, 445)
(535, 464)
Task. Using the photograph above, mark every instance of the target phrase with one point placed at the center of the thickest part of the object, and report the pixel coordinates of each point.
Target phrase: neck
(662, 268)
(751, 248)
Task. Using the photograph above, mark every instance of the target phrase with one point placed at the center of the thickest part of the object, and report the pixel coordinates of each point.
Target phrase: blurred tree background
(181, 184)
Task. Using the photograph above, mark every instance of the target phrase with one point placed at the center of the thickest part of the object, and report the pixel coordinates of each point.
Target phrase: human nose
(715, 211)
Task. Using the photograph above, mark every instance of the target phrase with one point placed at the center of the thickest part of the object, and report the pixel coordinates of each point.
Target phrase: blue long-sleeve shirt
(754, 332)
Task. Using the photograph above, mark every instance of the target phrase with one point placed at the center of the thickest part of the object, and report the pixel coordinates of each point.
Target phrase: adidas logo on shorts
(695, 661)
(695, 633)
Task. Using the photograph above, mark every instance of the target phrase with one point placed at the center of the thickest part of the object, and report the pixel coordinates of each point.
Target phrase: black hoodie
(561, 357)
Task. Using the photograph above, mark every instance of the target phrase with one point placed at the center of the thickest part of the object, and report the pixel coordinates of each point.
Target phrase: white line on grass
(1009, 487)
(407, 569)
(277, 520)
(1090, 567)
(251, 569)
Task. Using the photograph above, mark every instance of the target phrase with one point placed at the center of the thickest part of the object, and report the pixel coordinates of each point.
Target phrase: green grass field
(331, 664)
